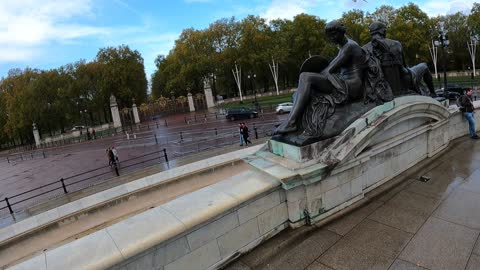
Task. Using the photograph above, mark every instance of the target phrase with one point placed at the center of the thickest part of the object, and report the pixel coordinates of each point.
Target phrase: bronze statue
(338, 82)
(389, 52)
(331, 96)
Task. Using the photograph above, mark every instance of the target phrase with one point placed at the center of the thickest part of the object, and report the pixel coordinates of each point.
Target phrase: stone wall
(221, 239)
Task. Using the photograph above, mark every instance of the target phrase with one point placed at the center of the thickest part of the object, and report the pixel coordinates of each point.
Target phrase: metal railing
(79, 181)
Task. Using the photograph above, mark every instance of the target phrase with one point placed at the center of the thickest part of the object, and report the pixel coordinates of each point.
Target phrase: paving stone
(344, 256)
(473, 263)
(472, 183)
(272, 246)
(408, 220)
(403, 265)
(237, 265)
(476, 249)
(437, 187)
(318, 266)
(305, 253)
(461, 207)
(344, 224)
(440, 245)
(379, 238)
(410, 200)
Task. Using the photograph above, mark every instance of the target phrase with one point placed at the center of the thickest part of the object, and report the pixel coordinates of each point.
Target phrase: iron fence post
(63, 185)
(165, 155)
(8, 205)
(156, 141)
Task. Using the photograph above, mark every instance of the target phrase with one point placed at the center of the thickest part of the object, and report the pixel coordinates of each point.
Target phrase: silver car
(284, 107)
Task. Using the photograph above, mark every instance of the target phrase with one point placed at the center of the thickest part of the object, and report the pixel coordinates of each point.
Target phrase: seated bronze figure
(330, 96)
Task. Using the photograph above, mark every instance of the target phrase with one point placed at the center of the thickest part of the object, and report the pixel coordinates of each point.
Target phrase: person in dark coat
(466, 106)
(245, 134)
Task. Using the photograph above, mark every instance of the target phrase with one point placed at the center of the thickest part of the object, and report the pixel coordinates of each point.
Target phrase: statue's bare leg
(304, 92)
(428, 79)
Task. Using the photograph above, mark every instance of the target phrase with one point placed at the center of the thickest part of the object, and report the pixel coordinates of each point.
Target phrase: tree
(123, 74)
(411, 26)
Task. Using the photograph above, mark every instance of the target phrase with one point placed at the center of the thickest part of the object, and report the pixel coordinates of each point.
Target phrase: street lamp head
(446, 42)
(248, 76)
(254, 75)
(436, 43)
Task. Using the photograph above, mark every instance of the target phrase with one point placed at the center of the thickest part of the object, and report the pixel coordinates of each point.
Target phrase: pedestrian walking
(240, 126)
(115, 154)
(245, 134)
(110, 156)
(466, 107)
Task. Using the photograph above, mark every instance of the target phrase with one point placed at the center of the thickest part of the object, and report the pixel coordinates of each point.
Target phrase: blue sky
(47, 34)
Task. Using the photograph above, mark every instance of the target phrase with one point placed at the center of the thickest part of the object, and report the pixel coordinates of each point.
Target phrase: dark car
(454, 91)
(240, 113)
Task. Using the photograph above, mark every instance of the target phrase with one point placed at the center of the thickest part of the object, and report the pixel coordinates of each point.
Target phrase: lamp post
(472, 49)
(442, 40)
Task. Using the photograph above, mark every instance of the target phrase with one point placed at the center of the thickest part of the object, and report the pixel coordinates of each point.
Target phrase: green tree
(123, 74)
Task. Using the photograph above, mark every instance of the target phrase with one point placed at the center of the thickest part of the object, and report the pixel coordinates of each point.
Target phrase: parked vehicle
(454, 91)
(284, 107)
(240, 113)
(78, 128)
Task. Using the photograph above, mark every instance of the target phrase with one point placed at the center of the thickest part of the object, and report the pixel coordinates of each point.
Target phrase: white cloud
(435, 7)
(287, 9)
(26, 25)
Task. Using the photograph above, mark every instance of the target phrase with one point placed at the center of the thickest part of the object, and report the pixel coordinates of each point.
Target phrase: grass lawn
(264, 102)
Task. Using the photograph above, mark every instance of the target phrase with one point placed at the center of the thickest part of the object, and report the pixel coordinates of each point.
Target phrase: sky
(47, 34)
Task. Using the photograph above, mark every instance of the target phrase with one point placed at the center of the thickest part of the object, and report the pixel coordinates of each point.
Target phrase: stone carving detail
(331, 95)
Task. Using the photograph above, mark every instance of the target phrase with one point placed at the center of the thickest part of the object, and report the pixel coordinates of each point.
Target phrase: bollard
(255, 129)
(156, 141)
(8, 160)
(31, 154)
(128, 136)
(216, 116)
(134, 136)
(43, 154)
(166, 125)
(181, 136)
(8, 205)
(216, 132)
(165, 155)
(63, 185)
(156, 122)
(195, 117)
(186, 120)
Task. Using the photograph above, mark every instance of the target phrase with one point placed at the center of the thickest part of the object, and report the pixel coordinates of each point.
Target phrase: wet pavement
(416, 225)
(65, 161)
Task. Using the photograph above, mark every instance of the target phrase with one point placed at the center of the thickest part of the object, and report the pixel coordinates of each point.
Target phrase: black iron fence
(79, 181)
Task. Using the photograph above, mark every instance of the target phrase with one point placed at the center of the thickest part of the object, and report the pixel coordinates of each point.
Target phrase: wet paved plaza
(416, 225)
(61, 162)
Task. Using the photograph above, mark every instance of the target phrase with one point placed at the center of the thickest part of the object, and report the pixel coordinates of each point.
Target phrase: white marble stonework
(212, 226)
